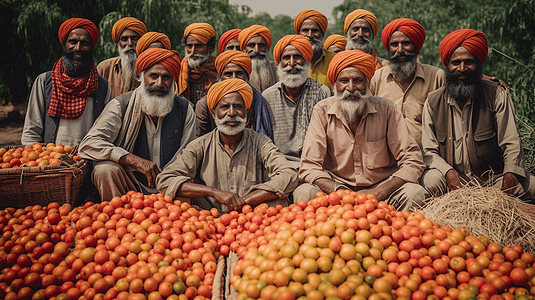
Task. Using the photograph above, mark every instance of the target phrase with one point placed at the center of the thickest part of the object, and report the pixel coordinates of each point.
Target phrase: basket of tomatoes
(40, 174)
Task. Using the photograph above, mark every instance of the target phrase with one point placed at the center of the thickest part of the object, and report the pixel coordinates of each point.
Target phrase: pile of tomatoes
(35, 155)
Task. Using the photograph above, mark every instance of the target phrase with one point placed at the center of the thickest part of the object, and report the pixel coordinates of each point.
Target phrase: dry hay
(485, 211)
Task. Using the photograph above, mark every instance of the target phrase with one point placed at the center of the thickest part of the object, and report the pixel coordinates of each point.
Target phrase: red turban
(73, 23)
(236, 57)
(351, 58)
(337, 40)
(202, 32)
(361, 14)
(411, 28)
(127, 23)
(219, 89)
(473, 40)
(313, 15)
(150, 37)
(226, 37)
(255, 30)
(168, 58)
(298, 41)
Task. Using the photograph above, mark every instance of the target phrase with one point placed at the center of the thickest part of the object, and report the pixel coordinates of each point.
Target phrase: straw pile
(485, 211)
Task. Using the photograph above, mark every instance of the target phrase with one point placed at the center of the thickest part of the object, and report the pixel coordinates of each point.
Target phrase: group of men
(240, 129)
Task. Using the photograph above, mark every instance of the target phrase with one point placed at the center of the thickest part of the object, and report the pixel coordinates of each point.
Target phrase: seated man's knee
(305, 191)
(434, 183)
(105, 169)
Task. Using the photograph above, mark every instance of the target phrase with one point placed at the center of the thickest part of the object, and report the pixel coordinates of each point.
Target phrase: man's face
(291, 57)
(293, 68)
(193, 46)
(158, 80)
(350, 79)
(80, 41)
(400, 43)
(312, 31)
(335, 49)
(360, 28)
(77, 53)
(462, 61)
(128, 38)
(257, 45)
(230, 114)
(463, 75)
(233, 45)
(234, 71)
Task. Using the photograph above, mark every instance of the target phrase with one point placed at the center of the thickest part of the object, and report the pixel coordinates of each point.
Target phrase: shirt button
(232, 187)
(358, 173)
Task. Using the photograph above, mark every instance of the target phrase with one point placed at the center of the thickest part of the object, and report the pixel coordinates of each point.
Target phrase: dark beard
(76, 67)
(463, 90)
(402, 70)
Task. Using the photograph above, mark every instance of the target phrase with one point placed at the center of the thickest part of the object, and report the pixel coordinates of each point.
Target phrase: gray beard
(352, 104)
(128, 66)
(353, 44)
(196, 60)
(262, 75)
(402, 70)
(228, 129)
(317, 45)
(293, 80)
(154, 105)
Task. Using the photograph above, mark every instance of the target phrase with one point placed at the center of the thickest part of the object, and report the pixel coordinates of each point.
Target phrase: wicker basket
(25, 186)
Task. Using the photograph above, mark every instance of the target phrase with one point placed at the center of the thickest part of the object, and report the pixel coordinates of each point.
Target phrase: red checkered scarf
(69, 94)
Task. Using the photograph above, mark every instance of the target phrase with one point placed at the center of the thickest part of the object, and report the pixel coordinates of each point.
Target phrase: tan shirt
(381, 147)
(206, 160)
(507, 136)
(427, 79)
(110, 69)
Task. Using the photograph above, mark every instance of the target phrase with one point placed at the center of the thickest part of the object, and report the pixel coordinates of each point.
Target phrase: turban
(361, 14)
(150, 37)
(168, 58)
(73, 23)
(127, 23)
(226, 37)
(219, 89)
(313, 15)
(236, 57)
(337, 40)
(255, 30)
(202, 32)
(351, 58)
(411, 28)
(298, 41)
(474, 41)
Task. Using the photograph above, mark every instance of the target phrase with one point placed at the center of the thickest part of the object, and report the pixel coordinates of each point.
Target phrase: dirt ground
(10, 132)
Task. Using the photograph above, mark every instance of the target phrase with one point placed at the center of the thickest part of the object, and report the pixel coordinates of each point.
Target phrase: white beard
(262, 75)
(352, 104)
(228, 129)
(128, 66)
(154, 105)
(352, 44)
(293, 80)
(196, 60)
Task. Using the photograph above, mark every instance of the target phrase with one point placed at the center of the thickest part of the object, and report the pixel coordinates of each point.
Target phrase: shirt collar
(240, 144)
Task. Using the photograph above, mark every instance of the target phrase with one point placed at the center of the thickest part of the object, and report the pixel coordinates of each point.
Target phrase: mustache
(357, 38)
(128, 48)
(397, 55)
(349, 96)
(164, 91)
(258, 55)
(299, 68)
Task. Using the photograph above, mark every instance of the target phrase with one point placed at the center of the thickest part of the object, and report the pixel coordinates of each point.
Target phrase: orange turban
(70, 24)
(298, 41)
(150, 37)
(226, 37)
(202, 32)
(351, 58)
(411, 28)
(361, 14)
(473, 40)
(168, 58)
(219, 89)
(127, 23)
(337, 40)
(236, 57)
(255, 30)
(313, 15)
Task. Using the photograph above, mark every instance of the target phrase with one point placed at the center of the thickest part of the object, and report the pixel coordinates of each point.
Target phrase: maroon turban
(411, 28)
(473, 40)
(226, 37)
(73, 23)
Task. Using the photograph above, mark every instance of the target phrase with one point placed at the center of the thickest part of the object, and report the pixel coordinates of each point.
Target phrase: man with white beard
(360, 27)
(256, 42)
(142, 131)
(291, 100)
(359, 142)
(121, 71)
(224, 168)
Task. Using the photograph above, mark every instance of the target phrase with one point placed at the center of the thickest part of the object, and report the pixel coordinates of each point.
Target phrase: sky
(290, 7)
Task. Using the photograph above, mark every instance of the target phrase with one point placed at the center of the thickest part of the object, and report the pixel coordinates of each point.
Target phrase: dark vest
(51, 123)
(483, 150)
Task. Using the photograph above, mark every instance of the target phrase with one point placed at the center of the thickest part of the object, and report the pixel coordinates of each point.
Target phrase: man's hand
(145, 167)
(509, 182)
(495, 79)
(453, 180)
(231, 200)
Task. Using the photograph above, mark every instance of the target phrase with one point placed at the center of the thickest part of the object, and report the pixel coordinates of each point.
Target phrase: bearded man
(229, 41)
(469, 130)
(65, 102)
(121, 71)
(256, 42)
(359, 142)
(235, 64)
(291, 100)
(141, 131)
(335, 43)
(312, 24)
(224, 169)
(360, 27)
(405, 81)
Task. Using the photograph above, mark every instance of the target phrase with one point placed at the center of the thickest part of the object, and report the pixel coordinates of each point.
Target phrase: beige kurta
(110, 69)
